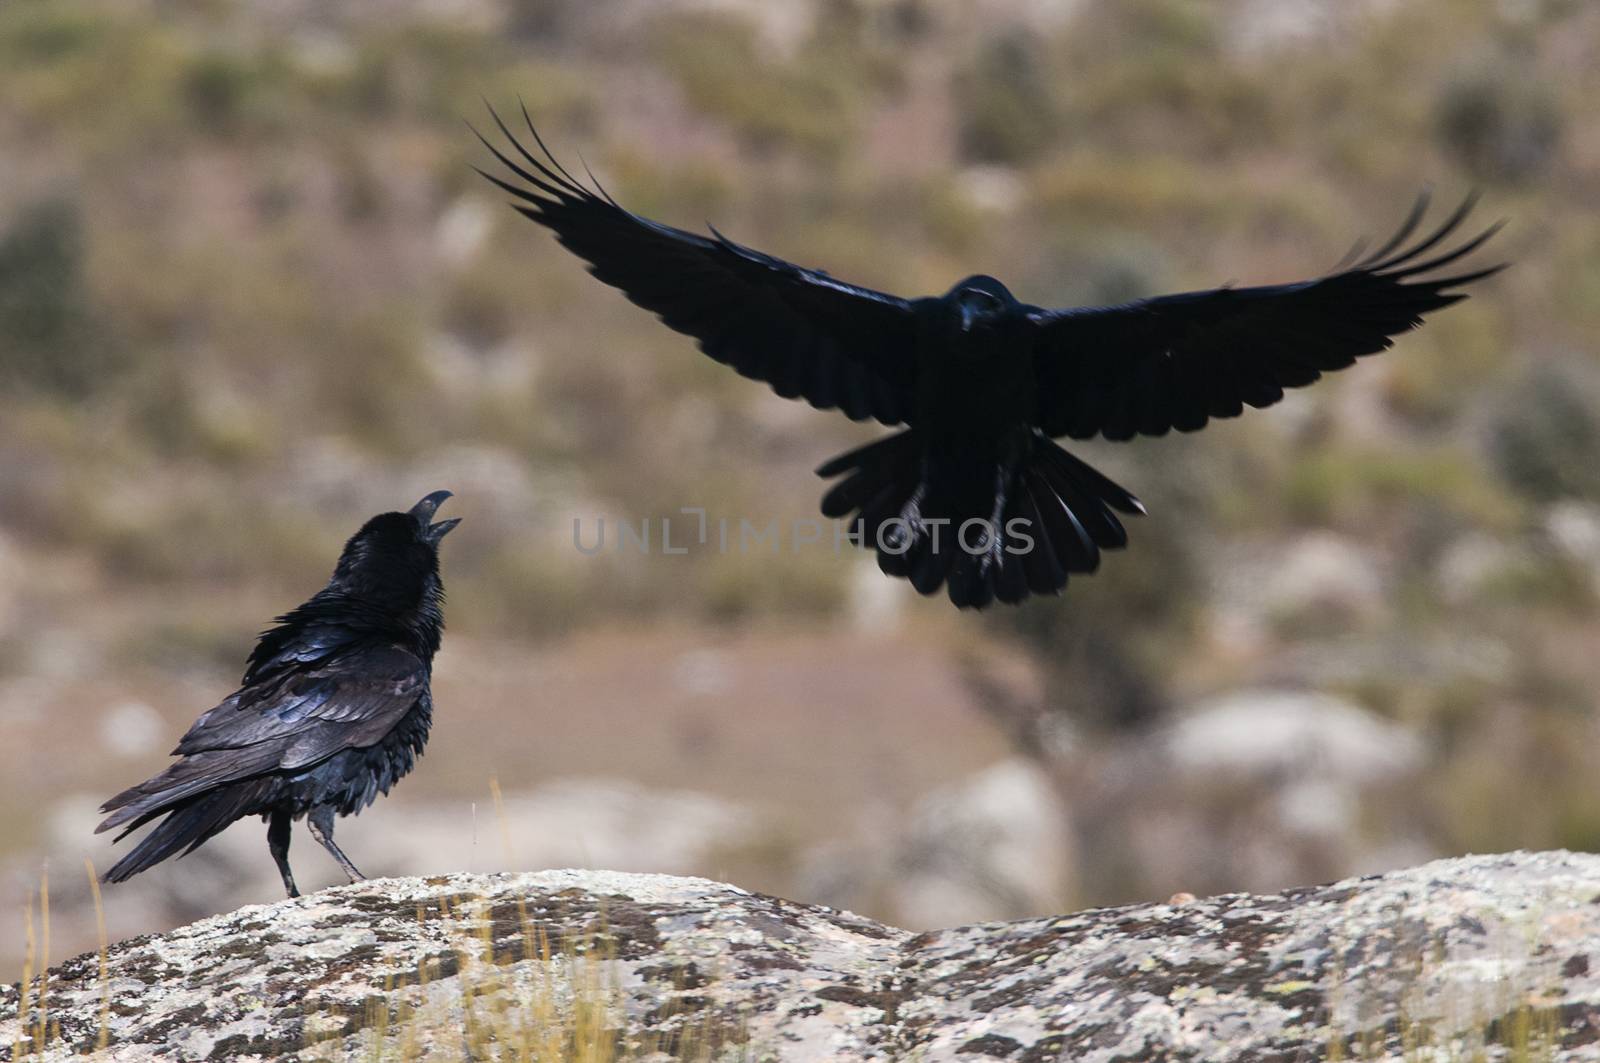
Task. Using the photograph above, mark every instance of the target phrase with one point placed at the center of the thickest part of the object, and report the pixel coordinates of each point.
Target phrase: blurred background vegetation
(251, 293)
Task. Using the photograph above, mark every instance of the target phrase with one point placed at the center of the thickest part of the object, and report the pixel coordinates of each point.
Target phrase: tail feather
(885, 464)
(188, 778)
(1043, 518)
(1087, 477)
(1094, 516)
(1063, 516)
(190, 824)
(896, 450)
(1045, 574)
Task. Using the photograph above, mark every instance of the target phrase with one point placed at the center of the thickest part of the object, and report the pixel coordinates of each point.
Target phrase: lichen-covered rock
(1491, 953)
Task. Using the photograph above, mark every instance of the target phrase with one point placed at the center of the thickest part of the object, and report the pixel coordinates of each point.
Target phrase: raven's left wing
(806, 334)
(285, 724)
(1178, 360)
(347, 702)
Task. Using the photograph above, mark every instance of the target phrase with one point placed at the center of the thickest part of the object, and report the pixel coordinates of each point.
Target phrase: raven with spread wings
(335, 707)
(974, 494)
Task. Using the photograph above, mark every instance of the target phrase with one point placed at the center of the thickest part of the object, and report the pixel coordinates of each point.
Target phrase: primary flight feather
(973, 494)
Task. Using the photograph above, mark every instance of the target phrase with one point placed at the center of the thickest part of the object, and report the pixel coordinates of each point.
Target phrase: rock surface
(1456, 954)
(991, 846)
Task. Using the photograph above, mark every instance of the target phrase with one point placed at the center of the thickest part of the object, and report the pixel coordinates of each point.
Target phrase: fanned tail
(191, 823)
(987, 530)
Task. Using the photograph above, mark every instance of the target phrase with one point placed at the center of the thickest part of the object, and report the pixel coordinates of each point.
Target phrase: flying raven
(974, 494)
(334, 707)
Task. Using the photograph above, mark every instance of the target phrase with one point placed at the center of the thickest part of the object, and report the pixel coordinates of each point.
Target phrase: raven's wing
(348, 702)
(1178, 360)
(804, 333)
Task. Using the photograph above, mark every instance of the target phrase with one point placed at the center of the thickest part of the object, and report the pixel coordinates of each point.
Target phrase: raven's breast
(975, 388)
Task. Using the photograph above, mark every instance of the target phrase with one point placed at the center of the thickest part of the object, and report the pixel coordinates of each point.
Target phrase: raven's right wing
(806, 334)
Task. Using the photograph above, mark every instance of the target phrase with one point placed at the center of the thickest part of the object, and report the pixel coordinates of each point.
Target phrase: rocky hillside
(1486, 957)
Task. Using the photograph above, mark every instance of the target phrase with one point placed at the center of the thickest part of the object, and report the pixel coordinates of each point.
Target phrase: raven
(334, 707)
(974, 494)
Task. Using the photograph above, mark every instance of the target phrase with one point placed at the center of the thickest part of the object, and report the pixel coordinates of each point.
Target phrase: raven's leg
(321, 823)
(278, 842)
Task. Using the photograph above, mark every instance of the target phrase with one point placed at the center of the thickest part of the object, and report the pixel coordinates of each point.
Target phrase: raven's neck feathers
(334, 619)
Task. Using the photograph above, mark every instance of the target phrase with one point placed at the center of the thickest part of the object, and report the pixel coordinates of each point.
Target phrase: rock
(1446, 960)
(463, 229)
(991, 188)
(1322, 571)
(1317, 581)
(1257, 789)
(995, 845)
(1574, 527)
(1257, 26)
(227, 871)
(11, 572)
(780, 28)
(1281, 733)
(578, 821)
(1474, 565)
(1573, 530)
(876, 605)
(132, 729)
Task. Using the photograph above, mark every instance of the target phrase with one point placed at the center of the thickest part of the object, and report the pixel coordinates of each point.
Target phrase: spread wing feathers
(348, 703)
(1179, 360)
(804, 333)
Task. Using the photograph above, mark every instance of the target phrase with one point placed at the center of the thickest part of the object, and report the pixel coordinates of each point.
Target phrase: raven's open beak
(423, 512)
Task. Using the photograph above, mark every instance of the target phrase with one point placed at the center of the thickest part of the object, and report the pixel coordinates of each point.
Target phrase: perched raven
(974, 494)
(334, 707)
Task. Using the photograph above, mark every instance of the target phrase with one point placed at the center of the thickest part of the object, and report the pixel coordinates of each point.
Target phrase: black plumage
(984, 383)
(333, 709)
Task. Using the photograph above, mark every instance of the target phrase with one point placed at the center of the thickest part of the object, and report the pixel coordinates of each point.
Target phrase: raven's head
(980, 300)
(393, 561)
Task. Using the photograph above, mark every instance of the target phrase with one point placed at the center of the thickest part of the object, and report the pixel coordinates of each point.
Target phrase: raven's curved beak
(424, 510)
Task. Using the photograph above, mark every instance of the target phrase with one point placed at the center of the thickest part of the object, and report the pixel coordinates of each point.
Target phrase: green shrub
(1008, 111)
(1501, 124)
(543, 21)
(47, 33)
(1355, 487)
(809, 103)
(216, 88)
(49, 339)
(1545, 439)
